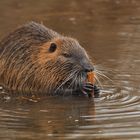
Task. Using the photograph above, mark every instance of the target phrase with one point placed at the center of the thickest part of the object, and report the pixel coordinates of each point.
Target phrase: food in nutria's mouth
(91, 79)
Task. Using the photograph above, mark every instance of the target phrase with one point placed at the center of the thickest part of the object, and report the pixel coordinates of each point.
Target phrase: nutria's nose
(89, 69)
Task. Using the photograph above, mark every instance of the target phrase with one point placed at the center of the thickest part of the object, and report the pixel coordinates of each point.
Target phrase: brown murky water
(110, 31)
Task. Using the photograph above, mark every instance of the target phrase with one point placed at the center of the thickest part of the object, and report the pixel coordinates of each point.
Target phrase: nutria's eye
(66, 55)
(53, 47)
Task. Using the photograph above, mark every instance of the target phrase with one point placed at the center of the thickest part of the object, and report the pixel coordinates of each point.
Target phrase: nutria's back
(34, 59)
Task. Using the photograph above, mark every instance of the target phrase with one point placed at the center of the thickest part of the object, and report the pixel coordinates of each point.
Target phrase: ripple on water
(117, 116)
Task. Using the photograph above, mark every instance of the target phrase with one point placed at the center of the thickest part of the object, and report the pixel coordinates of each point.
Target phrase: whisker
(74, 79)
(80, 79)
(101, 68)
(98, 81)
(72, 82)
(66, 80)
(103, 75)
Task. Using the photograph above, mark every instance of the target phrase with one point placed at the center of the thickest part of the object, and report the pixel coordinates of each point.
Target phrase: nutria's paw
(88, 88)
(96, 91)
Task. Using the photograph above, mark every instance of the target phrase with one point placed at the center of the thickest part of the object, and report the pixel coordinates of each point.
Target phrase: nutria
(38, 60)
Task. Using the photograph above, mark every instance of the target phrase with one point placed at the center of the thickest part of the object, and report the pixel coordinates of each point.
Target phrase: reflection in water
(110, 32)
(51, 117)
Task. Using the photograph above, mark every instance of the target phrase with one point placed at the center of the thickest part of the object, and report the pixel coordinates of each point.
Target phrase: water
(110, 31)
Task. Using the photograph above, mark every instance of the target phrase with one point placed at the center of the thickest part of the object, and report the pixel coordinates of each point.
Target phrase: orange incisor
(91, 79)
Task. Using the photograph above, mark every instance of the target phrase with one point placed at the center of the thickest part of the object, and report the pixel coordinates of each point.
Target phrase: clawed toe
(88, 88)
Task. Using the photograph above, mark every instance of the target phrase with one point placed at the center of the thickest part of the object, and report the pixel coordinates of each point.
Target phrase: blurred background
(110, 32)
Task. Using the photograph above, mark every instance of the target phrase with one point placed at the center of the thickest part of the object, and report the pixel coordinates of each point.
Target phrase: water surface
(110, 31)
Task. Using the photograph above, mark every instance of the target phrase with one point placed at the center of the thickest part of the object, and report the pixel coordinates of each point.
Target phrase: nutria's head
(36, 59)
(64, 63)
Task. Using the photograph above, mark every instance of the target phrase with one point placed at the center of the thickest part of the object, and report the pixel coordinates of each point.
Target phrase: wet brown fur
(27, 66)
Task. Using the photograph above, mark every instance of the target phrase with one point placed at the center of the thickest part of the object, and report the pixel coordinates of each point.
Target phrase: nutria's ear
(52, 47)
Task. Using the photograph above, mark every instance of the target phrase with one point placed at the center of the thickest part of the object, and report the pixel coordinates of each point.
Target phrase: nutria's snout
(87, 66)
